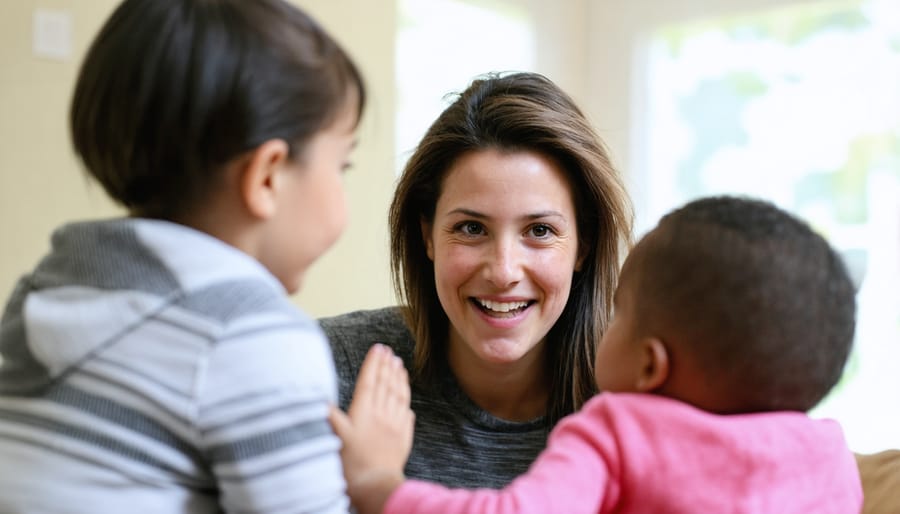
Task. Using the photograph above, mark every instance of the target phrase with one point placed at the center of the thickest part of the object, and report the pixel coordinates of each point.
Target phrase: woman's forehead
(486, 180)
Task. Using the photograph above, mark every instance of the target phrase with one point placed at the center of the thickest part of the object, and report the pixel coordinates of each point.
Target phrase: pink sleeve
(576, 473)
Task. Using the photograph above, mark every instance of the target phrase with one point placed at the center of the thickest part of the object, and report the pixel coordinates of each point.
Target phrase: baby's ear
(655, 365)
(260, 178)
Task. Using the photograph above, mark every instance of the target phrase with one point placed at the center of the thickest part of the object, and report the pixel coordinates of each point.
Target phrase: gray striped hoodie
(148, 367)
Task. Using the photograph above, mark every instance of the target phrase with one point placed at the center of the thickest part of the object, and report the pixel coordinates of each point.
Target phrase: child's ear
(655, 365)
(260, 177)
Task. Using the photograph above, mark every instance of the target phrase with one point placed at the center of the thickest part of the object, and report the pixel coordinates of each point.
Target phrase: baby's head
(171, 91)
(733, 305)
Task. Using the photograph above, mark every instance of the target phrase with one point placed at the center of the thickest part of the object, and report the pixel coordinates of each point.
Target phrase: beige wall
(354, 274)
(42, 186)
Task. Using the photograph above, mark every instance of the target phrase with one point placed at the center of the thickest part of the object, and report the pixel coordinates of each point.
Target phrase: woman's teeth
(501, 306)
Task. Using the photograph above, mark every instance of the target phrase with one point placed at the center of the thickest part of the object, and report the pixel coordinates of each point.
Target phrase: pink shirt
(634, 453)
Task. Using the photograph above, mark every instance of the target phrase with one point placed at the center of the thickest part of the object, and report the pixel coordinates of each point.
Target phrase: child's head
(173, 90)
(733, 305)
(202, 111)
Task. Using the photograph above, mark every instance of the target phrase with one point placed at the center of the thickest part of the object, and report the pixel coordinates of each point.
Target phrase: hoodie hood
(99, 280)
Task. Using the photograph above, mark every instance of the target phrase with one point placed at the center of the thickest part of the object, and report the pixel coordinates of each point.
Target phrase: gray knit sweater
(456, 443)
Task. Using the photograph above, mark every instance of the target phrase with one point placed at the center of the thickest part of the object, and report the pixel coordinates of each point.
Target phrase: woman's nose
(504, 266)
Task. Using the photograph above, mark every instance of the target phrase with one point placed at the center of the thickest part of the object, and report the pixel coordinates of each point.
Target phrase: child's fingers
(340, 423)
(368, 373)
(367, 382)
(382, 388)
(410, 425)
(398, 402)
(405, 391)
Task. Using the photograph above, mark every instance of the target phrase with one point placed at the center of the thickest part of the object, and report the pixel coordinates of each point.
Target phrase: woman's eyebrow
(468, 212)
(535, 215)
(544, 214)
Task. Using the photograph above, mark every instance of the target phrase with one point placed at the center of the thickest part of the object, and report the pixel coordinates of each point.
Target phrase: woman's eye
(541, 231)
(470, 228)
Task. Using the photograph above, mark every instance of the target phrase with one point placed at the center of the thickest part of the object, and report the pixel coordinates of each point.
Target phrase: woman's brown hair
(512, 112)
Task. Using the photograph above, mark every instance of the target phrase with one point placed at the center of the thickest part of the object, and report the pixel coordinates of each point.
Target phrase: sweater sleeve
(262, 420)
(577, 473)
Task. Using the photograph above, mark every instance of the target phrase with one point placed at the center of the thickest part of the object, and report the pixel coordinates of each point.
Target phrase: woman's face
(504, 245)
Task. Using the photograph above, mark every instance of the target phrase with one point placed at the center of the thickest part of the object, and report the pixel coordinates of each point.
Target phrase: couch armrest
(880, 475)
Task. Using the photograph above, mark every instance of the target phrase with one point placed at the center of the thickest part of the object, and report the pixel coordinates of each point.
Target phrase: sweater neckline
(455, 396)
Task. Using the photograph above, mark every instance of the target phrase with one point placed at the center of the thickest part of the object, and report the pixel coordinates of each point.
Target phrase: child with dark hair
(732, 319)
(155, 363)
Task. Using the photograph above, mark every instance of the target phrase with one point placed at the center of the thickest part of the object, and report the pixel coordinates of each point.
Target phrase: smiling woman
(504, 244)
(507, 228)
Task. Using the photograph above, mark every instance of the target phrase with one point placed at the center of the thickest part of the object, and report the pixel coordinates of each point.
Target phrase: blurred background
(797, 101)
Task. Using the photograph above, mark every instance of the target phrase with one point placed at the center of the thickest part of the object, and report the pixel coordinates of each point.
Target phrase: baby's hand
(376, 431)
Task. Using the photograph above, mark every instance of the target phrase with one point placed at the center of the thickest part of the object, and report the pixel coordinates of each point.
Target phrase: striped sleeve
(262, 419)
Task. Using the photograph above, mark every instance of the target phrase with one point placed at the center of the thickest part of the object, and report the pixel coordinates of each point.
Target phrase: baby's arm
(571, 476)
(376, 431)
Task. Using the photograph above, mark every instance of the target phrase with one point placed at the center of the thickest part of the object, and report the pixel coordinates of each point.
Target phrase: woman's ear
(655, 365)
(582, 255)
(425, 226)
(579, 262)
(259, 179)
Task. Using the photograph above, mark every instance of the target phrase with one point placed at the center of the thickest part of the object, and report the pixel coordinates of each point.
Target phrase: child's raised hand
(376, 431)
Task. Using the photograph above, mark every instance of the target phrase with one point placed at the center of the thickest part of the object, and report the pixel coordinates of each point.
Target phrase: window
(441, 46)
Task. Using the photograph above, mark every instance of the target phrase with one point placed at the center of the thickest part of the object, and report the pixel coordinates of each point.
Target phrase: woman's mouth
(497, 309)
